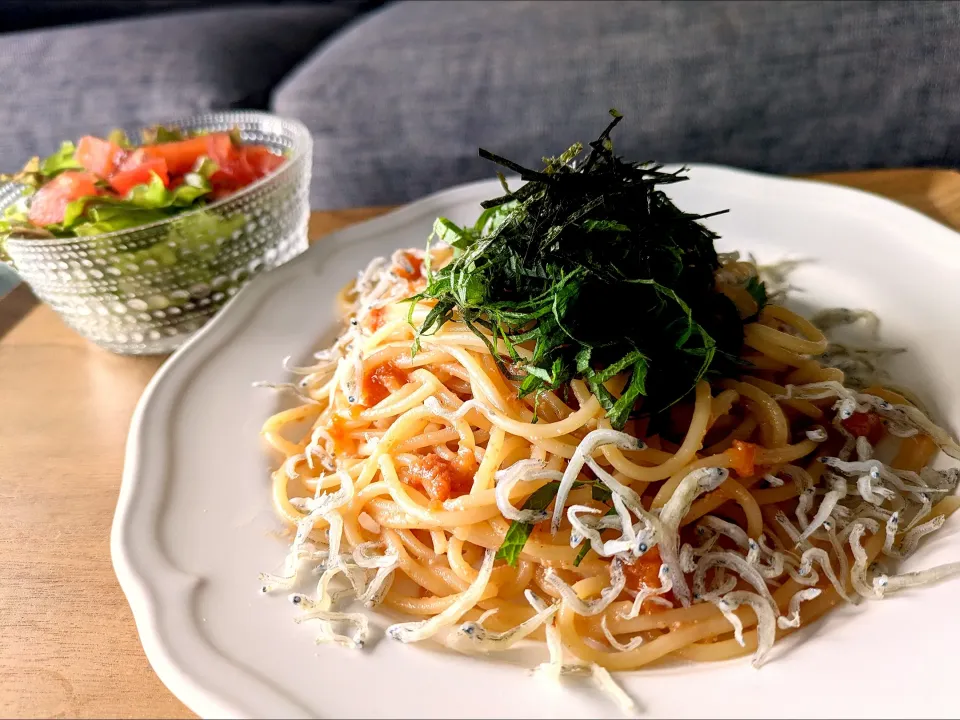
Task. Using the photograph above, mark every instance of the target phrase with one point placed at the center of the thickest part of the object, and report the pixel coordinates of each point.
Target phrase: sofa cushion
(64, 82)
(399, 101)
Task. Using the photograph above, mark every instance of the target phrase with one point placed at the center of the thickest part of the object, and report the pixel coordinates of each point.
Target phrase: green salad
(103, 185)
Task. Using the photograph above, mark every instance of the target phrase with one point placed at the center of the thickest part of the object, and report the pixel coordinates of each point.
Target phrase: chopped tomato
(233, 169)
(218, 145)
(182, 155)
(865, 424)
(134, 159)
(385, 379)
(646, 571)
(237, 167)
(98, 156)
(410, 267)
(439, 478)
(233, 174)
(49, 205)
(261, 159)
(743, 457)
(123, 180)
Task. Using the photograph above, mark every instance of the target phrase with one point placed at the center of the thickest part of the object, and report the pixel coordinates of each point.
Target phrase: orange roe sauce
(376, 385)
(743, 457)
(414, 272)
(646, 571)
(440, 479)
(375, 319)
(340, 433)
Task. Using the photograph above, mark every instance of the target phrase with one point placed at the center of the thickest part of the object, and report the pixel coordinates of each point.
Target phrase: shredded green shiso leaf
(519, 532)
(592, 263)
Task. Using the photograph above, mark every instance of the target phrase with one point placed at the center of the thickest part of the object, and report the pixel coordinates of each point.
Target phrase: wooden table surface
(68, 644)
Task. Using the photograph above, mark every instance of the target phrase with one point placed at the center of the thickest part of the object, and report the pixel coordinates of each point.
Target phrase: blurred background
(399, 95)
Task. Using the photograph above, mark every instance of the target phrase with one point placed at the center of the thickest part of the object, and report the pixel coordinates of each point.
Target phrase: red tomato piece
(218, 146)
(868, 425)
(139, 174)
(98, 156)
(233, 169)
(50, 202)
(131, 160)
(261, 159)
(182, 155)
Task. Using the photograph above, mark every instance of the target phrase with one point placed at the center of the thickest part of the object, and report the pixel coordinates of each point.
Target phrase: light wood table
(68, 645)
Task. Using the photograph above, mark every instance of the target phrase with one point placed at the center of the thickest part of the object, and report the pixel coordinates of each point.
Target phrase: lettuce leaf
(193, 241)
(61, 160)
(160, 134)
(144, 204)
(151, 196)
(110, 218)
(119, 137)
(15, 218)
(155, 195)
(74, 211)
(29, 176)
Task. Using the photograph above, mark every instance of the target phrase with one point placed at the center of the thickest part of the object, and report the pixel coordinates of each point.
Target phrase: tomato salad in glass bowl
(137, 244)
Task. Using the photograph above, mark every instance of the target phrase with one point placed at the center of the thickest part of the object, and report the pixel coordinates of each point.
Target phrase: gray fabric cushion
(61, 83)
(399, 102)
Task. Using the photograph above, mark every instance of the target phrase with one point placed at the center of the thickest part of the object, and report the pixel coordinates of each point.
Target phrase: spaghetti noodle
(436, 488)
(414, 467)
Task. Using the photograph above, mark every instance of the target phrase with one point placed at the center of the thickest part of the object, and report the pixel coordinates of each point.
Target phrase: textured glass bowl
(147, 289)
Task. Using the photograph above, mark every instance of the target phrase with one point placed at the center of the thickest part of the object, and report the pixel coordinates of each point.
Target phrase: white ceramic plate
(194, 525)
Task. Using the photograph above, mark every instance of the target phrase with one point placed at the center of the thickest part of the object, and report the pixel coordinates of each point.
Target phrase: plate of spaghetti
(659, 437)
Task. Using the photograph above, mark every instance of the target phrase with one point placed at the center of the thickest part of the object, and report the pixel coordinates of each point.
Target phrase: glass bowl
(146, 290)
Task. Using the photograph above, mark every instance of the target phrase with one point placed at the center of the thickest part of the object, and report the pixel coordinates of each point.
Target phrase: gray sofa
(398, 97)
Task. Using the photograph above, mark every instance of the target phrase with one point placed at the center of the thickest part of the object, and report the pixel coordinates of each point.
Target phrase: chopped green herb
(519, 532)
(758, 291)
(601, 493)
(593, 266)
(585, 547)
